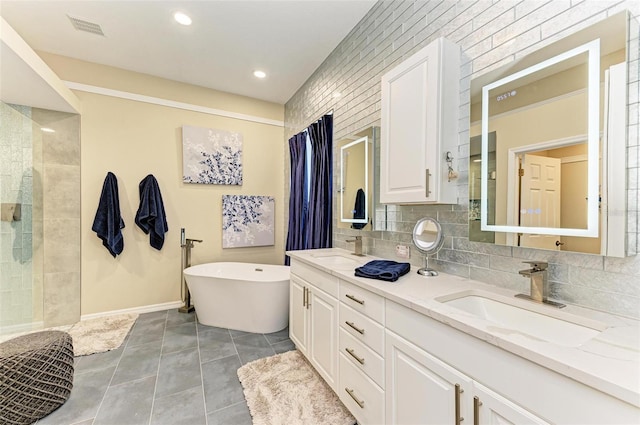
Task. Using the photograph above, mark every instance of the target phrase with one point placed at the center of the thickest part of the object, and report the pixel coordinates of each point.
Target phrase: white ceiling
(227, 41)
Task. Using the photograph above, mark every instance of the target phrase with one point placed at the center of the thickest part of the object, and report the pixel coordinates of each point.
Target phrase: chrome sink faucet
(539, 283)
(358, 245)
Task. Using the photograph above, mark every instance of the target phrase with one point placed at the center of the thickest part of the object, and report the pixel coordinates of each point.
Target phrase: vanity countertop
(609, 362)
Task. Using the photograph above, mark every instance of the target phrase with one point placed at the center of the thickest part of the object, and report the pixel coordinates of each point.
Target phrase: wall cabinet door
(419, 125)
(323, 335)
(298, 316)
(420, 389)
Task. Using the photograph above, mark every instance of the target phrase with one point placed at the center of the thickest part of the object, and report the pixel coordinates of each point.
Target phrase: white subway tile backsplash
(490, 33)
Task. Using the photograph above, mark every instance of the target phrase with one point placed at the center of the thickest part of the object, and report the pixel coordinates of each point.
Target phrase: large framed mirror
(356, 163)
(544, 133)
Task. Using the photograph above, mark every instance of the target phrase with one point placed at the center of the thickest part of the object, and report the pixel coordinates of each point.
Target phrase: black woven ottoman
(36, 376)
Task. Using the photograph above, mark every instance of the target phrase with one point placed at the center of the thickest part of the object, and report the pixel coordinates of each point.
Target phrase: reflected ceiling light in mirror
(182, 18)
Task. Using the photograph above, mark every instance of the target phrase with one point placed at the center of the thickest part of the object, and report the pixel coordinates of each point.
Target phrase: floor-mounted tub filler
(242, 296)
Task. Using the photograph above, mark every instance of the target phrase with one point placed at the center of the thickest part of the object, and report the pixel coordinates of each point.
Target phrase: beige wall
(133, 139)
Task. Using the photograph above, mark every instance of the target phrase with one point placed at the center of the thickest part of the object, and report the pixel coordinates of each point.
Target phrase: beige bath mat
(100, 334)
(285, 389)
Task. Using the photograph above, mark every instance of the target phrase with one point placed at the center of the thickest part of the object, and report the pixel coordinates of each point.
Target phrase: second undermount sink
(539, 321)
(337, 259)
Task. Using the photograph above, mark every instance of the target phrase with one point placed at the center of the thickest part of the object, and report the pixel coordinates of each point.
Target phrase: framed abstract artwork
(247, 221)
(211, 156)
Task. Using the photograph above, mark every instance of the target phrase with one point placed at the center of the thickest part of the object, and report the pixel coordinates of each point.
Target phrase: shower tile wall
(61, 216)
(490, 35)
(16, 187)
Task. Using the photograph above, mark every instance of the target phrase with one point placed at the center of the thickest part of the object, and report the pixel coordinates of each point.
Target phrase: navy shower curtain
(310, 214)
(298, 196)
(318, 229)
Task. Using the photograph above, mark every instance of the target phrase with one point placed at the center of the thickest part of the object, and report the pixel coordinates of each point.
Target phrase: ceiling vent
(86, 26)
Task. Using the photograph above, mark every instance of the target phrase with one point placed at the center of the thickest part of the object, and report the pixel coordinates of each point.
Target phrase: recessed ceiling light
(47, 130)
(259, 74)
(182, 18)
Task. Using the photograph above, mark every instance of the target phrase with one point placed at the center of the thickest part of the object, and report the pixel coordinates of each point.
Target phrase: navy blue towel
(383, 270)
(150, 216)
(108, 222)
(359, 209)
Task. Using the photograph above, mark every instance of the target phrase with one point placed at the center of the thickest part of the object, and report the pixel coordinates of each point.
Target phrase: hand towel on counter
(383, 270)
(150, 216)
(108, 222)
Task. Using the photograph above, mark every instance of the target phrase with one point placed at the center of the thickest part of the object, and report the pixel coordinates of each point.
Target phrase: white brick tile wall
(490, 33)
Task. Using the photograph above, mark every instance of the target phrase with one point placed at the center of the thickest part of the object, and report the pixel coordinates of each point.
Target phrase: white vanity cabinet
(361, 342)
(419, 125)
(425, 359)
(421, 389)
(313, 318)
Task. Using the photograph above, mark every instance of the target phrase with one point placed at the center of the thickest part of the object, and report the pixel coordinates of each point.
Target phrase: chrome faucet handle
(358, 238)
(537, 266)
(193, 240)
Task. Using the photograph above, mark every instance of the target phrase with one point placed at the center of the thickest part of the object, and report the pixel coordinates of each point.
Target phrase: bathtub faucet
(186, 245)
(189, 244)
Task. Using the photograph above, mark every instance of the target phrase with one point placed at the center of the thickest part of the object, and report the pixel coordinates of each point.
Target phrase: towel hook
(452, 174)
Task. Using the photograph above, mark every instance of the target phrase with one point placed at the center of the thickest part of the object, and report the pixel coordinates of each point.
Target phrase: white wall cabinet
(419, 125)
(313, 327)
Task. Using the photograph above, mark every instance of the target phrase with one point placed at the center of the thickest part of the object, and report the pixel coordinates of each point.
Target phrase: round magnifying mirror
(428, 239)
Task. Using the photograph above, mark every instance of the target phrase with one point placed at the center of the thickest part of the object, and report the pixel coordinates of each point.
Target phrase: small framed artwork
(247, 221)
(211, 156)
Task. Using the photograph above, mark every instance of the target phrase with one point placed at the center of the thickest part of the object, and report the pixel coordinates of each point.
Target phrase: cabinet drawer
(362, 328)
(366, 302)
(316, 277)
(363, 398)
(362, 357)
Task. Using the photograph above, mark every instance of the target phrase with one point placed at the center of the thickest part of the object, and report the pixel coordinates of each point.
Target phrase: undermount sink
(336, 259)
(552, 326)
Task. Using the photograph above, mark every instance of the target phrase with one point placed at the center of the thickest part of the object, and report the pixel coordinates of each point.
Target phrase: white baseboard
(21, 328)
(139, 310)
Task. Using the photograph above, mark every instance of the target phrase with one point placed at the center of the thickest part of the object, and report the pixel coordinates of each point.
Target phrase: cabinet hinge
(521, 172)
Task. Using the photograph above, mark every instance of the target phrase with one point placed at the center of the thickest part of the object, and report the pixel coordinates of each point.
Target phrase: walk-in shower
(40, 218)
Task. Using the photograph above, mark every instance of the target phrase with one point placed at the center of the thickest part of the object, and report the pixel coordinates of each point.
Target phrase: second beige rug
(100, 334)
(285, 389)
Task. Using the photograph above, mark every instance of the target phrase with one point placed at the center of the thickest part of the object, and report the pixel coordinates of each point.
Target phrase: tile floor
(170, 370)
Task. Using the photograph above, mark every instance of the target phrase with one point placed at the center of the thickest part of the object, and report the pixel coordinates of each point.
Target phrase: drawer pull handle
(353, 298)
(458, 391)
(304, 296)
(476, 410)
(353, 354)
(354, 327)
(350, 392)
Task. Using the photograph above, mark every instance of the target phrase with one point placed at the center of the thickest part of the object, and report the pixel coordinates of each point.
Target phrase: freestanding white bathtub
(242, 296)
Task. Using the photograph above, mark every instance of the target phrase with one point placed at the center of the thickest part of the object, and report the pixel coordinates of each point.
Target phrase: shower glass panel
(21, 229)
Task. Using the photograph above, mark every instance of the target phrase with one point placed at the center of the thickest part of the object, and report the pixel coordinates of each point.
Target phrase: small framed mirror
(356, 181)
(428, 239)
